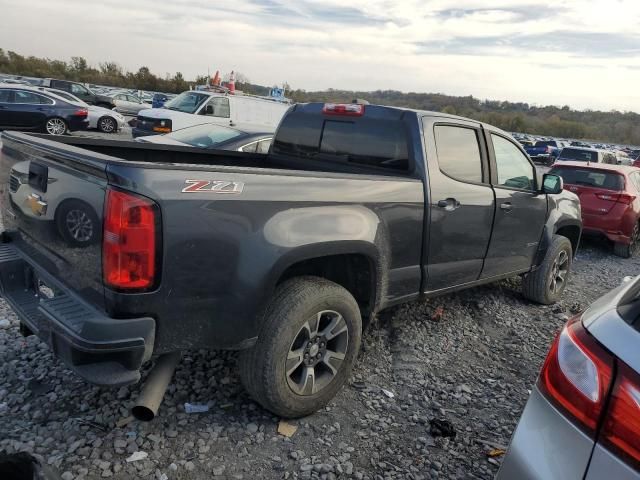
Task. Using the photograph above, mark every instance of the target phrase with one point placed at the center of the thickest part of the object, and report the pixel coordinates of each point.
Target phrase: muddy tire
(547, 283)
(308, 342)
(631, 249)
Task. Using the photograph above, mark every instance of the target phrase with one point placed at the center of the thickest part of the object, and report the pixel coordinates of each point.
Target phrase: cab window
(217, 107)
(513, 168)
(78, 90)
(458, 153)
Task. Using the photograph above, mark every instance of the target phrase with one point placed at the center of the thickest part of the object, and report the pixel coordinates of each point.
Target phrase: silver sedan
(582, 420)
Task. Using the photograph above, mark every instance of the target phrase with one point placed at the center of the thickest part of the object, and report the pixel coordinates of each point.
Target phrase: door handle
(449, 204)
(507, 207)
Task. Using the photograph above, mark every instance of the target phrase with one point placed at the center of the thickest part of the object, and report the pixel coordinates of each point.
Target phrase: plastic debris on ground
(437, 314)
(286, 429)
(388, 393)
(195, 408)
(135, 456)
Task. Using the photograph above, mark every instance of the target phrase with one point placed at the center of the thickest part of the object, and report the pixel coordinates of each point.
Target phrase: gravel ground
(473, 366)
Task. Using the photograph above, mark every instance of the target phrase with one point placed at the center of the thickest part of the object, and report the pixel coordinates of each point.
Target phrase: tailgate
(51, 202)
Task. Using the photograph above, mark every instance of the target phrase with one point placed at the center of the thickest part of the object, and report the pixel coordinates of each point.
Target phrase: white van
(196, 107)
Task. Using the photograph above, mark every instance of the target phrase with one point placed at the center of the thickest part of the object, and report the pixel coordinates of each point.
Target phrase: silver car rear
(582, 419)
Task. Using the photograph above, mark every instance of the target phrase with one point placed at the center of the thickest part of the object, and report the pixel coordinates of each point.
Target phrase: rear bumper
(102, 350)
(75, 124)
(616, 237)
(545, 445)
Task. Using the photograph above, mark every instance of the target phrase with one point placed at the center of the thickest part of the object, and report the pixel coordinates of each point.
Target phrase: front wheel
(55, 126)
(308, 343)
(546, 284)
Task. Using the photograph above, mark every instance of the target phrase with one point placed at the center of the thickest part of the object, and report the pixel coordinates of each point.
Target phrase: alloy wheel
(559, 272)
(107, 125)
(56, 126)
(317, 353)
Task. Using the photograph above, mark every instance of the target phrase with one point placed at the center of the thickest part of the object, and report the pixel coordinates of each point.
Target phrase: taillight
(621, 428)
(607, 196)
(549, 149)
(576, 375)
(347, 109)
(82, 112)
(626, 198)
(129, 241)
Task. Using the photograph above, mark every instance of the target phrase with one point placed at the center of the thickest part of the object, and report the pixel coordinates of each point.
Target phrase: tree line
(613, 126)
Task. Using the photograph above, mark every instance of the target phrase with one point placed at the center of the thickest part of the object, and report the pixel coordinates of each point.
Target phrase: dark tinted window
(459, 153)
(4, 96)
(590, 178)
(31, 98)
(546, 143)
(378, 143)
(578, 155)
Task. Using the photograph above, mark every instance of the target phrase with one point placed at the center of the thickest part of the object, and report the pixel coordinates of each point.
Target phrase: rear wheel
(308, 344)
(107, 125)
(628, 250)
(546, 284)
(55, 126)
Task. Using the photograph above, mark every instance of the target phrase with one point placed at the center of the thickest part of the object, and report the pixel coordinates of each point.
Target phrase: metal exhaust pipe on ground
(152, 393)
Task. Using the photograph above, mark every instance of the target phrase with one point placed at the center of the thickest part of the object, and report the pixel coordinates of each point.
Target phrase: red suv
(610, 201)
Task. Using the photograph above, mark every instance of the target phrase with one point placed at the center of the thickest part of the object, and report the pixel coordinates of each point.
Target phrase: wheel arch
(352, 265)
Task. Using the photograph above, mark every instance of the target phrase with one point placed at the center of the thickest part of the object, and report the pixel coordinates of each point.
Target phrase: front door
(461, 202)
(521, 209)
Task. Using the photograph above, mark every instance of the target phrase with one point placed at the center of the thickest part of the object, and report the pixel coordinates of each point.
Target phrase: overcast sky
(584, 53)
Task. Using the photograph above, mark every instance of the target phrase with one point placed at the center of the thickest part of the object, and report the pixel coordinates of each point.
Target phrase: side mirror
(208, 110)
(552, 183)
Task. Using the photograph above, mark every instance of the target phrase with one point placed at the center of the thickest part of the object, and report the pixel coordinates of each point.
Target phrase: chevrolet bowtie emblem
(37, 205)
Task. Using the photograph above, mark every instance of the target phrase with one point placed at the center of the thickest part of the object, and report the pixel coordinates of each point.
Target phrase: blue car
(28, 108)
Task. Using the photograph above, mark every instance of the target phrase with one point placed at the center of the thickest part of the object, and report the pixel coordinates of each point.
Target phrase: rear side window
(376, 143)
(578, 154)
(31, 98)
(590, 178)
(458, 153)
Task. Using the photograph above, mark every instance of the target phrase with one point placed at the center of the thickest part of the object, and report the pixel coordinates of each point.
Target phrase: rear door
(520, 209)
(30, 110)
(461, 202)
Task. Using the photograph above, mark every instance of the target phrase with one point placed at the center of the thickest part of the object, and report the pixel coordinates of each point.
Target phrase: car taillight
(549, 149)
(83, 112)
(129, 241)
(621, 428)
(577, 374)
(347, 109)
(626, 198)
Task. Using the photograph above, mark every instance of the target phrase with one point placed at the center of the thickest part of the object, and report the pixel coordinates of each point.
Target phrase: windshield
(187, 102)
(204, 136)
(578, 155)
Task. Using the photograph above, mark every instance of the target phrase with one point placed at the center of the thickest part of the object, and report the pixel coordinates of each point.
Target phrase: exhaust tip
(142, 413)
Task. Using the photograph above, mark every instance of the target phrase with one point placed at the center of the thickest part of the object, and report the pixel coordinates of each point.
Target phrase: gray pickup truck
(117, 253)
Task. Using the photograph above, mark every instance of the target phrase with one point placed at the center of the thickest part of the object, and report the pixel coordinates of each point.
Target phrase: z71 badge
(212, 186)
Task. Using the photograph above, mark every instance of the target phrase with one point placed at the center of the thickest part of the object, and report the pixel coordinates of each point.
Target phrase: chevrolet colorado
(117, 252)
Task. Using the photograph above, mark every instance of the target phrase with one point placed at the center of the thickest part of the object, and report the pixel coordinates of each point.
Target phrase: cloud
(538, 51)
